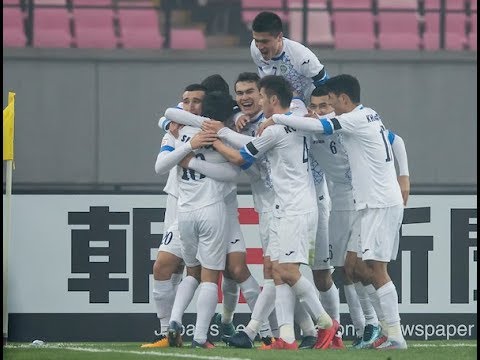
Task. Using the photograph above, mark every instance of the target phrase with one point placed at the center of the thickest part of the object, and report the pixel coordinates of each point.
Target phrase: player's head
(247, 93)
(217, 105)
(276, 94)
(192, 98)
(319, 101)
(267, 32)
(216, 82)
(343, 93)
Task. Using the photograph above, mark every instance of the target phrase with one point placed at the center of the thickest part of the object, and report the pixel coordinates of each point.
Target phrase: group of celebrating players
(322, 177)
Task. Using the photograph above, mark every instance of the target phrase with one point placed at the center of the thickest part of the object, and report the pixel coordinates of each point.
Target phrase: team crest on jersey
(283, 68)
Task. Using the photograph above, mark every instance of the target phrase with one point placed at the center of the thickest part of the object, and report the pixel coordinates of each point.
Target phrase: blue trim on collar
(257, 118)
(279, 57)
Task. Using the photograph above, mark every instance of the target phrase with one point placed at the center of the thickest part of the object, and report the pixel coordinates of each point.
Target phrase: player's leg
(322, 273)
(212, 250)
(382, 246)
(294, 234)
(340, 230)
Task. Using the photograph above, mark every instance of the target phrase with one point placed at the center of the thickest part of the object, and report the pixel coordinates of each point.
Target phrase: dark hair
(279, 86)
(268, 22)
(247, 77)
(216, 82)
(320, 91)
(195, 87)
(217, 105)
(344, 84)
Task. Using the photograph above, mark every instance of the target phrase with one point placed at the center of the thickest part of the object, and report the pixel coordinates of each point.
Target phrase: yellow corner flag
(8, 127)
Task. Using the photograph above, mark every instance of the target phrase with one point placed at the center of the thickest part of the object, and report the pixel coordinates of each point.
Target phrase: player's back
(371, 159)
(197, 190)
(290, 171)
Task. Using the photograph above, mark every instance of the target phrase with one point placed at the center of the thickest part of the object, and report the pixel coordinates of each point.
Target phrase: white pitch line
(443, 345)
(153, 353)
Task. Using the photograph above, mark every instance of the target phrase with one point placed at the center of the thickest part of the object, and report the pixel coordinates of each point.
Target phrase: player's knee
(238, 272)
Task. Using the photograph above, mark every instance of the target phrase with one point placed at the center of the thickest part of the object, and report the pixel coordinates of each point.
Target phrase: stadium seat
(397, 4)
(450, 4)
(11, 2)
(455, 36)
(319, 31)
(187, 39)
(94, 28)
(13, 28)
(92, 3)
(139, 28)
(261, 5)
(398, 30)
(472, 37)
(349, 4)
(51, 28)
(352, 31)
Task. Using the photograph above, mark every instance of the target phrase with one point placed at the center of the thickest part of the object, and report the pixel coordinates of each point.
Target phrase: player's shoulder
(188, 130)
(297, 49)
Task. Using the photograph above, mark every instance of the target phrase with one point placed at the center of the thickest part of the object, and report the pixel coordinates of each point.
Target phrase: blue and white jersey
(287, 152)
(197, 190)
(296, 63)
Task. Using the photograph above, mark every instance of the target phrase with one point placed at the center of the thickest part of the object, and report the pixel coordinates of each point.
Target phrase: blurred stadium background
(92, 78)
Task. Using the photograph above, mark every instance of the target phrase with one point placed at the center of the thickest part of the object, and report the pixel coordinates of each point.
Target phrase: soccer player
(276, 55)
(168, 267)
(377, 194)
(295, 212)
(236, 275)
(201, 222)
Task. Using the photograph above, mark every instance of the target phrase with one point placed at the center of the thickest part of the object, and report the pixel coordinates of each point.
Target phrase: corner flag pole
(8, 131)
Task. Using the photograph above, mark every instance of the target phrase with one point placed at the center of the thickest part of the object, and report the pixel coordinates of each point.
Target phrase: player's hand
(186, 160)
(404, 181)
(212, 125)
(241, 122)
(203, 138)
(268, 122)
(174, 128)
(311, 114)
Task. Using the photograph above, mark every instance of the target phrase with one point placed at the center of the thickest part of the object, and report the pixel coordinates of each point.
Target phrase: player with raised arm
(275, 54)
(377, 194)
(295, 212)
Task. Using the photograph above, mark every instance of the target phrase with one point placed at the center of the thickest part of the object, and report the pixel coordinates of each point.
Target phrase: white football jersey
(296, 63)
(197, 190)
(369, 150)
(171, 186)
(287, 152)
(330, 152)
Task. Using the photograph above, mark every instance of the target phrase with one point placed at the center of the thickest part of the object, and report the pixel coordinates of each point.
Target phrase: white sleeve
(233, 138)
(168, 158)
(184, 117)
(400, 154)
(217, 171)
(302, 123)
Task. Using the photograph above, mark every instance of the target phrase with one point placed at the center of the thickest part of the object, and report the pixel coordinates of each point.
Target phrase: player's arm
(400, 155)
(184, 117)
(169, 155)
(321, 125)
(217, 171)
(232, 137)
(247, 155)
(164, 123)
